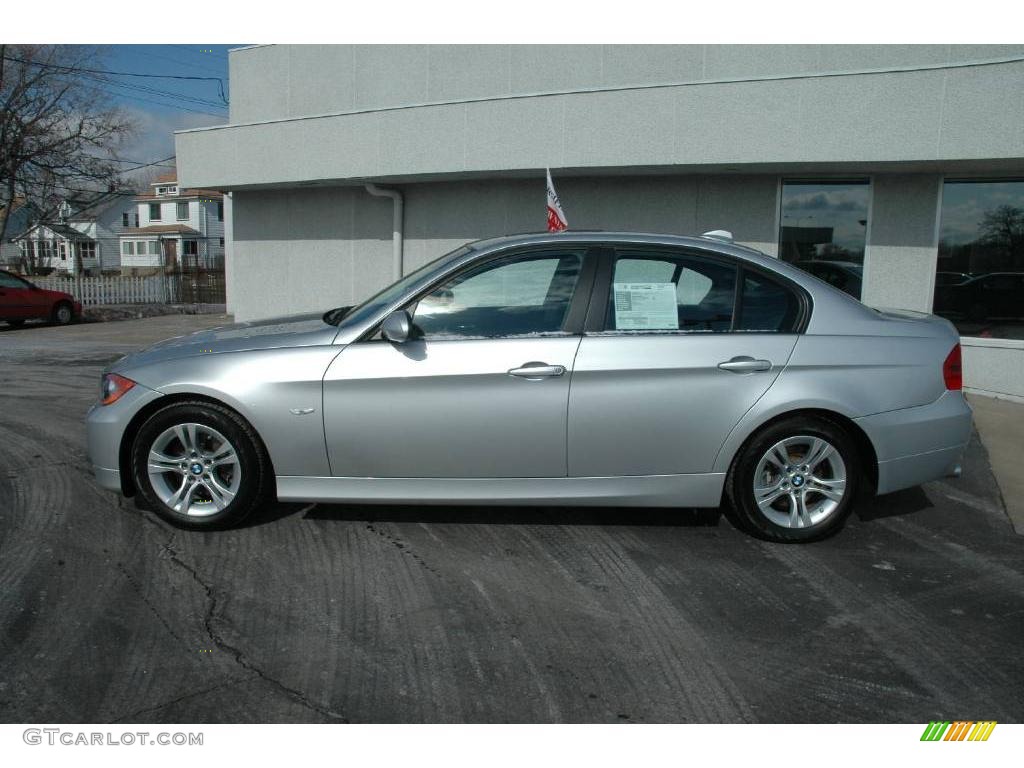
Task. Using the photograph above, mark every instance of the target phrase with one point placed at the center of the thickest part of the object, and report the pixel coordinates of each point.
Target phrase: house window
(136, 219)
(124, 219)
(220, 212)
(154, 211)
(189, 247)
(979, 277)
(87, 250)
(824, 227)
(182, 211)
(128, 248)
(222, 242)
(62, 249)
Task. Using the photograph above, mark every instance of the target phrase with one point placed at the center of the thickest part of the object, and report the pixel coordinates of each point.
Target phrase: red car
(21, 301)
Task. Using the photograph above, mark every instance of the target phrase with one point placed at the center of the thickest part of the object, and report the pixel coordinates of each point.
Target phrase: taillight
(952, 370)
(113, 387)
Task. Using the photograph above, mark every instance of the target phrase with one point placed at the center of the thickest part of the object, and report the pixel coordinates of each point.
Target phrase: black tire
(16, 323)
(63, 313)
(256, 473)
(739, 484)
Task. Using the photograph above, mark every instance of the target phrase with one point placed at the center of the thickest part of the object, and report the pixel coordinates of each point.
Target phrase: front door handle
(537, 371)
(745, 364)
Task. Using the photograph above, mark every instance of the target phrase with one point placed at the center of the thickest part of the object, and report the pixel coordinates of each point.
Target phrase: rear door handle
(537, 371)
(745, 364)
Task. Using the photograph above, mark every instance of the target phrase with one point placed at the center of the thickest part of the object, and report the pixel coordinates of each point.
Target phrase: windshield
(393, 292)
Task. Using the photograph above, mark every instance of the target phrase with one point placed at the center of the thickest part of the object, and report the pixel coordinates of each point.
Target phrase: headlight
(113, 387)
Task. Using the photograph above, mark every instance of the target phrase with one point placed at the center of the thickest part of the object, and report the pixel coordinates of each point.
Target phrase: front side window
(182, 211)
(220, 211)
(824, 227)
(979, 278)
(128, 248)
(154, 211)
(514, 296)
(154, 248)
(189, 247)
(124, 219)
(655, 291)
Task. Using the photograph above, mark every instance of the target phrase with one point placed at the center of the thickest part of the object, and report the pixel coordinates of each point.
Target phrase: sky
(180, 103)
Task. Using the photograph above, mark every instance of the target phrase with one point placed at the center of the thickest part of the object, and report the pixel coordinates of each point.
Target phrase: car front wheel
(796, 480)
(200, 465)
(63, 313)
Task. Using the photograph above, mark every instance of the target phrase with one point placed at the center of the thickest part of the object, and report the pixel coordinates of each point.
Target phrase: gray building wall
(658, 138)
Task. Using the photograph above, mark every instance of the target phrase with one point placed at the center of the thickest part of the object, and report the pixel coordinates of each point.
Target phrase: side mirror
(397, 327)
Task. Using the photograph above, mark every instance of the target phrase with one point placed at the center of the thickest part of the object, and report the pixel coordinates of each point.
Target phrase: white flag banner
(556, 217)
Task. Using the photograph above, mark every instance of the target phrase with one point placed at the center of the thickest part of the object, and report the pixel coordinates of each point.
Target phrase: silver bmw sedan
(587, 368)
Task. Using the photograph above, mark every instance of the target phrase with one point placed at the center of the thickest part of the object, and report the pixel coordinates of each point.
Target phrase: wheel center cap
(196, 469)
(798, 480)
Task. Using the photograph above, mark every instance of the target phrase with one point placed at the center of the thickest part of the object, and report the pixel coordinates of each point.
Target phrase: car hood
(293, 331)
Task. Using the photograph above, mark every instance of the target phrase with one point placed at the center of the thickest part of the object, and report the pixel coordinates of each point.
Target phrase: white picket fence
(110, 289)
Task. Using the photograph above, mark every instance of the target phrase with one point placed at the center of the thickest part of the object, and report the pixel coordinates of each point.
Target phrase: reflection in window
(518, 296)
(823, 229)
(979, 279)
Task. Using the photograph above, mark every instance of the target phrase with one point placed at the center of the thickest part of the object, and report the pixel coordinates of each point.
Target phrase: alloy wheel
(194, 469)
(800, 482)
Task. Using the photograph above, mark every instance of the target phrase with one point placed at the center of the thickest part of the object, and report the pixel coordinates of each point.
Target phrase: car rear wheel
(63, 313)
(795, 480)
(200, 465)
(16, 323)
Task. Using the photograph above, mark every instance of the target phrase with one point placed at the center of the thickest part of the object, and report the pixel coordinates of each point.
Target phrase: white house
(170, 227)
(85, 240)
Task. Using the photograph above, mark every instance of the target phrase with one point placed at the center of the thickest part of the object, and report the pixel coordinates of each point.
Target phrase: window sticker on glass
(646, 307)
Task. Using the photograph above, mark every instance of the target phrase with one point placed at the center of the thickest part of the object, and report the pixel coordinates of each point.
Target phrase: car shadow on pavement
(489, 515)
(906, 502)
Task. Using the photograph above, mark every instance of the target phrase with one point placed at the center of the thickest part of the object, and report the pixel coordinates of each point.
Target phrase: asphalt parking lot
(322, 613)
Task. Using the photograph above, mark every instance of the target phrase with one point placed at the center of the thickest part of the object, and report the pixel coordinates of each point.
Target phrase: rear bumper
(918, 445)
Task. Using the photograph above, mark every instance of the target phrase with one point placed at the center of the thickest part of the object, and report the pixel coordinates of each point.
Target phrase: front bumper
(921, 444)
(104, 428)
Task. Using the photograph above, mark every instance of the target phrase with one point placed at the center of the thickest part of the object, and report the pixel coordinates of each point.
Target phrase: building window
(124, 219)
(979, 277)
(220, 211)
(189, 247)
(87, 250)
(136, 219)
(824, 227)
(154, 248)
(182, 211)
(222, 242)
(154, 211)
(127, 248)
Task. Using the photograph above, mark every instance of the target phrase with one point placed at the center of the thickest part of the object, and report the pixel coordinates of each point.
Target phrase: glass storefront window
(979, 278)
(823, 229)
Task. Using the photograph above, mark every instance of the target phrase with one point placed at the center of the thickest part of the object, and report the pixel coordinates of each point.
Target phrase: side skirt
(700, 490)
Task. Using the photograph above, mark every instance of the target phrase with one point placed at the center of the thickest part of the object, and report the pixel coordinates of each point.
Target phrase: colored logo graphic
(961, 730)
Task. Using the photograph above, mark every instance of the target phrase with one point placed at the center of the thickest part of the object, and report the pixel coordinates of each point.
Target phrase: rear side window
(766, 305)
(670, 292)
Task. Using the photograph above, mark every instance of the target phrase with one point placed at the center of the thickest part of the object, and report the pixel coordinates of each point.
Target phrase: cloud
(154, 137)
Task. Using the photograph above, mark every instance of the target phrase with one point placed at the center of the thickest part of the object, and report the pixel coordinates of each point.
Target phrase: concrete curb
(1000, 425)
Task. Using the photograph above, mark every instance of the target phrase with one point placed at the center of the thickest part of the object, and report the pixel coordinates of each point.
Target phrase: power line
(85, 70)
(155, 91)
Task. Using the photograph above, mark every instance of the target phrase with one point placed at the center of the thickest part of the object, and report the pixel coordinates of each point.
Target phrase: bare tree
(58, 131)
(1004, 228)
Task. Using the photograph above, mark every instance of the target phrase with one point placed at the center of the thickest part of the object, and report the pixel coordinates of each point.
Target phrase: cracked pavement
(331, 613)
